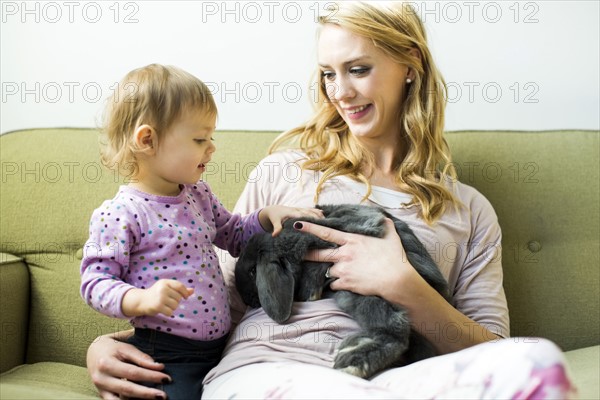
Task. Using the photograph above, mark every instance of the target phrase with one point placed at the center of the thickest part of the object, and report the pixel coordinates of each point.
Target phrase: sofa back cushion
(51, 182)
(543, 185)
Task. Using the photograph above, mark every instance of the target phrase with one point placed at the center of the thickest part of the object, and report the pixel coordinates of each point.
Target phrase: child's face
(185, 149)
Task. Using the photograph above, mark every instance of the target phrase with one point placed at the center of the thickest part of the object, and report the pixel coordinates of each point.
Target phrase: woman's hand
(379, 266)
(113, 365)
(363, 264)
(272, 217)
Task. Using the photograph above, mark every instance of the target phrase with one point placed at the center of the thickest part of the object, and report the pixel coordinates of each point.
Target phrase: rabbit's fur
(271, 272)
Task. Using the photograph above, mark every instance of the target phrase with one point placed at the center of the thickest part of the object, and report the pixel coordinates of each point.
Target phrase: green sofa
(543, 185)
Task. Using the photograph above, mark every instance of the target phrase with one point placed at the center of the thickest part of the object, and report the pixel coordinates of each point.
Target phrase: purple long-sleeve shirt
(138, 238)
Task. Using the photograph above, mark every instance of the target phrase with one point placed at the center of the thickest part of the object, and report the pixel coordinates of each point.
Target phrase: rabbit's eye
(252, 272)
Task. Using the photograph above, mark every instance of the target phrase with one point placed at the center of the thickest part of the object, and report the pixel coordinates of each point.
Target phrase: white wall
(509, 64)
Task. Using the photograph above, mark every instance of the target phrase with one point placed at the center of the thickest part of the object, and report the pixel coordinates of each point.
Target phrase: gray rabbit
(271, 272)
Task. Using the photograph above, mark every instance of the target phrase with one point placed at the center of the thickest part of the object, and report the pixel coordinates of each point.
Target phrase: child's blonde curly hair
(154, 95)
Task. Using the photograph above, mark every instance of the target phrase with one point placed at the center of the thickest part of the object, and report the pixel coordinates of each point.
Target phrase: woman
(376, 138)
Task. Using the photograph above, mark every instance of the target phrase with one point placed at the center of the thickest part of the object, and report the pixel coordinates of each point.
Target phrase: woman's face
(365, 85)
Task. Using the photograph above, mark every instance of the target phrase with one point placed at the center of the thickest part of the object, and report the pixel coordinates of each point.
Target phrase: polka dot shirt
(137, 238)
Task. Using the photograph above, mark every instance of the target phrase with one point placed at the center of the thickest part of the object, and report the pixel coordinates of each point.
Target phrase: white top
(381, 196)
(464, 243)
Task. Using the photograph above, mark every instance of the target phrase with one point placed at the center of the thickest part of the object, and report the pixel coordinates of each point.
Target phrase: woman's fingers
(323, 255)
(126, 385)
(362, 264)
(108, 395)
(132, 355)
(115, 366)
(323, 232)
(328, 234)
(317, 213)
(132, 390)
(110, 387)
(390, 228)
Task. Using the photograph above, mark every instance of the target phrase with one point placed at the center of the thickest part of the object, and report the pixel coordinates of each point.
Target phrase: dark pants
(186, 361)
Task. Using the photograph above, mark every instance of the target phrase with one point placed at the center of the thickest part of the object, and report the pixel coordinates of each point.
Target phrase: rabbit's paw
(355, 356)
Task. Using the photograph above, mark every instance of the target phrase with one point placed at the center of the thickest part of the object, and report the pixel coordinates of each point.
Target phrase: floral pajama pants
(514, 368)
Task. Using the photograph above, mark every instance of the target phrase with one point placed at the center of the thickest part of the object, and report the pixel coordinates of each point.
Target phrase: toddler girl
(150, 256)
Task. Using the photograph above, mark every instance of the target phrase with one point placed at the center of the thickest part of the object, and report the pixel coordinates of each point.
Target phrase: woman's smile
(356, 113)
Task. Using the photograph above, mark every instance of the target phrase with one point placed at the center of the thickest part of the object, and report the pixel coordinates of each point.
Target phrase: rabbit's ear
(275, 284)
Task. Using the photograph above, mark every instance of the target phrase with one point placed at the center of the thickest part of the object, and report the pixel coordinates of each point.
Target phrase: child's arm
(272, 217)
(105, 257)
(161, 298)
(234, 231)
(114, 234)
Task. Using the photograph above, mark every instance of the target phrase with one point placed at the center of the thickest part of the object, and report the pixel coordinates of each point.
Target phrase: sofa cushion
(55, 182)
(585, 368)
(238, 153)
(47, 380)
(544, 188)
(62, 326)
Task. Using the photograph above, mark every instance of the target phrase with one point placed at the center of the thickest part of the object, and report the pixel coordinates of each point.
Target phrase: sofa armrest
(14, 310)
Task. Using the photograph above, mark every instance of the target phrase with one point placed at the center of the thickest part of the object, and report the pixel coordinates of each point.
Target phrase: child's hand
(161, 298)
(273, 217)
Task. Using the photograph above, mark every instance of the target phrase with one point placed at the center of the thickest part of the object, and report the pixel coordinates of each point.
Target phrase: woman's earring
(408, 80)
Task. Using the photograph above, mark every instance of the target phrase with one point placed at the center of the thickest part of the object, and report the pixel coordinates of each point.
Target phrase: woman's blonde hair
(425, 165)
(154, 95)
